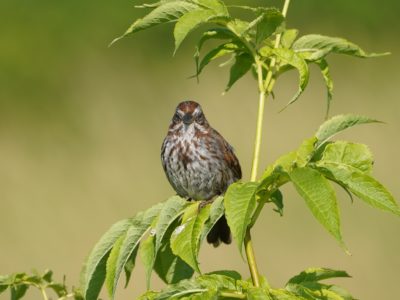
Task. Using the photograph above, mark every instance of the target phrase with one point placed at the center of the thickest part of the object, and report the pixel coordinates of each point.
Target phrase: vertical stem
(44, 294)
(257, 142)
(251, 259)
(264, 89)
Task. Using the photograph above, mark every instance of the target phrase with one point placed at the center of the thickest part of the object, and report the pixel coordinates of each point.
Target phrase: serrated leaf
(217, 6)
(93, 274)
(185, 240)
(112, 264)
(319, 197)
(188, 22)
(136, 231)
(269, 22)
(171, 210)
(169, 267)
(305, 152)
(215, 53)
(147, 254)
(216, 212)
(362, 185)
(214, 33)
(339, 123)
(318, 46)
(290, 57)
(317, 274)
(228, 273)
(351, 154)
(129, 266)
(242, 65)
(237, 26)
(288, 37)
(324, 67)
(240, 202)
(167, 12)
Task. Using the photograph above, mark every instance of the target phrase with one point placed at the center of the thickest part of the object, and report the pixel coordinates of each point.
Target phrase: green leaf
(242, 65)
(339, 123)
(215, 33)
(185, 240)
(288, 37)
(169, 267)
(188, 22)
(285, 295)
(129, 266)
(217, 6)
(93, 274)
(59, 288)
(277, 198)
(137, 230)
(257, 293)
(305, 152)
(269, 22)
(171, 210)
(323, 65)
(112, 264)
(3, 287)
(354, 155)
(148, 256)
(288, 56)
(240, 202)
(202, 287)
(216, 212)
(228, 273)
(362, 185)
(215, 53)
(320, 198)
(318, 46)
(317, 274)
(167, 12)
(18, 291)
(238, 27)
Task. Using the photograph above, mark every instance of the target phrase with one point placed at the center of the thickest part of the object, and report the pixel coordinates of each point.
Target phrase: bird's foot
(204, 203)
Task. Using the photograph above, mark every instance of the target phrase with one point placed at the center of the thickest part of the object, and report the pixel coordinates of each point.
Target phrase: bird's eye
(176, 118)
(200, 119)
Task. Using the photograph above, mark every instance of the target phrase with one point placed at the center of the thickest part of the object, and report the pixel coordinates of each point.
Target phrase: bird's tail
(220, 233)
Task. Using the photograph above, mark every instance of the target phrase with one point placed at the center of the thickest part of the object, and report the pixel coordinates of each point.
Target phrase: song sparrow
(198, 162)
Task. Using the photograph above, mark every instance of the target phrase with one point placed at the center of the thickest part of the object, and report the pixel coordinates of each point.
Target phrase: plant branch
(265, 89)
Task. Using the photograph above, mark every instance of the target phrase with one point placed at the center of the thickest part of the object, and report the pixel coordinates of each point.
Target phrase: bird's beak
(187, 119)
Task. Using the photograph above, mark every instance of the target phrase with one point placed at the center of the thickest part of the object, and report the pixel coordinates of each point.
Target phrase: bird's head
(189, 116)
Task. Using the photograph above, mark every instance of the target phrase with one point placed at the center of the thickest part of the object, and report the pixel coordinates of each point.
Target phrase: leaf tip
(114, 41)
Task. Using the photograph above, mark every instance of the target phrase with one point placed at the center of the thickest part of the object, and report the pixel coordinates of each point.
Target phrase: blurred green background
(81, 127)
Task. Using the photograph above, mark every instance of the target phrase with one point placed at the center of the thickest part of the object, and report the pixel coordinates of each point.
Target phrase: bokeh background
(81, 127)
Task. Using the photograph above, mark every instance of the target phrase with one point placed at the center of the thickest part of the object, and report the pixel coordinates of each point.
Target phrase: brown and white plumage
(199, 163)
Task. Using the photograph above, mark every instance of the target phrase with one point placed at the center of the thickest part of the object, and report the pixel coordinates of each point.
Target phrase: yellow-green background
(81, 127)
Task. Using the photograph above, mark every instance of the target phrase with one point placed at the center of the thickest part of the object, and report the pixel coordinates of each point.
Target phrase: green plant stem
(264, 87)
(43, 291)
(251, 259)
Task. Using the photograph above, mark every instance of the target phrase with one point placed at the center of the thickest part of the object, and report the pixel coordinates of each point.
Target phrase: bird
(199, 163)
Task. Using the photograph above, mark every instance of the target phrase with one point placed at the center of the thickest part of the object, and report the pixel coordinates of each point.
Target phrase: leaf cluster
(262, 44)
(230, 285)
(19, 283)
